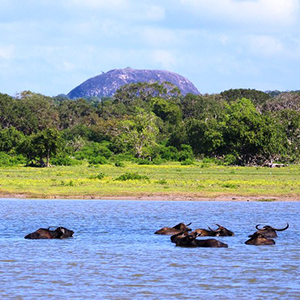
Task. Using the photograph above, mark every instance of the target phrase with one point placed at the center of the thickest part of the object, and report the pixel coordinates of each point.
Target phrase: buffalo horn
(258, 227)
(210, 229)
(286, 227)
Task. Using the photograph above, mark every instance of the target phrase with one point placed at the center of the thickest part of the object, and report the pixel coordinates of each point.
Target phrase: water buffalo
(185, 239)
(269, 231)
(181, 227)
(259, 239)
(47, 233)
(203, 232)
(220, 231)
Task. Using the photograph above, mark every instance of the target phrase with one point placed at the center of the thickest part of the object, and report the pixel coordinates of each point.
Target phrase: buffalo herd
(181, 235)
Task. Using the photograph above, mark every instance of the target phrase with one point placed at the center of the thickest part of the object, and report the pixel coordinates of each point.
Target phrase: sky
(52, 46)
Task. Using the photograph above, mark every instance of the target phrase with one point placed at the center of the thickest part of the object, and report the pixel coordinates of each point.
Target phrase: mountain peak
(106, 84)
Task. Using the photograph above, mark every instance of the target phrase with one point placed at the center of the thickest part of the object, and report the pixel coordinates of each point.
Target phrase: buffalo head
(269, 231)
(222, 231)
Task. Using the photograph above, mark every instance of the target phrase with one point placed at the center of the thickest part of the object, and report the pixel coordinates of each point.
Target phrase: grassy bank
(194, 181)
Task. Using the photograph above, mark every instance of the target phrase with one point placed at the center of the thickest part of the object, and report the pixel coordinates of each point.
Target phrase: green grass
(169, 179)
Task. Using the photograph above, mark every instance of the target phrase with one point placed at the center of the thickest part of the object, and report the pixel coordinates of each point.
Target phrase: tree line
(151, 123)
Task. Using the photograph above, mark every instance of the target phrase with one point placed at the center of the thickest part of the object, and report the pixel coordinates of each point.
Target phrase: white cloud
(96, 4)
(254, 12)
(67, 66)
(6, 52)
(158, 37)
(265, 45)
(124, 9)
(165, 59)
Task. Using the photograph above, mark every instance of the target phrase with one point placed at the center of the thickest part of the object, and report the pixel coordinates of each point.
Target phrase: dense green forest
(151, 124)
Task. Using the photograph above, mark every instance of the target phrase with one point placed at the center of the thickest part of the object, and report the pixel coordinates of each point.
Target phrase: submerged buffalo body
(46, 233)
(258, 239)
(184, 239)
(181, 227)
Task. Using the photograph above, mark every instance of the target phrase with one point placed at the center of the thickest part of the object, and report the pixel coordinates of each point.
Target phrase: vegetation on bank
(150, 124)
(202, 179)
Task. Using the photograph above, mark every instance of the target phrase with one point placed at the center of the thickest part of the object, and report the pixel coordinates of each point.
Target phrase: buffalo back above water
(184, 239)
(203, 232)
(46, 233)
(181, 227)
(220, 231)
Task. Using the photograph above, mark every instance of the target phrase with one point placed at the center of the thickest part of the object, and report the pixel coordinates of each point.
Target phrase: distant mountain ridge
(106, 84)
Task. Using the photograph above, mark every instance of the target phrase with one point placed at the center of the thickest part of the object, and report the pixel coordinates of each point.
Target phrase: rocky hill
(106, 84)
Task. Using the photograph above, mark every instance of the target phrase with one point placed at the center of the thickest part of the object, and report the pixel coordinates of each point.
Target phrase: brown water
(115, 255)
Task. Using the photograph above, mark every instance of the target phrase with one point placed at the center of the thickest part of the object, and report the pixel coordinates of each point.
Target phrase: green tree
(257, 97)
(138, 133)
(167, 110)
(8, 115)
(10, 139)
(206, 136)
(76, 112)
(252, 137)
(201, 107)
(41, 145)
(35, 112)
(146, 91)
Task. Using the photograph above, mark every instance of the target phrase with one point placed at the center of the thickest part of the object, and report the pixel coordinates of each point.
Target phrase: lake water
(116, 255)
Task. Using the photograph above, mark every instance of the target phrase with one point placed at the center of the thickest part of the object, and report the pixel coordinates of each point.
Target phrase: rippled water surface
(116, 255)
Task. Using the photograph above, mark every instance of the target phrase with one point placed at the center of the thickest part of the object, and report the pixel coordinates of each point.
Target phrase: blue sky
(51, 46)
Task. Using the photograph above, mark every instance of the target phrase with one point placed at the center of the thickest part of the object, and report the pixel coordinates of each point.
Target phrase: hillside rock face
(106, 84)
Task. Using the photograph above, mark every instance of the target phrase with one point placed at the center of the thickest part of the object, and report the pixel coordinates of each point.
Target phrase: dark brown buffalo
(258, 239)
(185, 239)
(181, 227)
(220, 231)
(46, 233)
(269, 231)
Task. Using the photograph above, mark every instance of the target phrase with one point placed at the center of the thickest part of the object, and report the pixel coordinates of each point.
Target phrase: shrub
(7, 160)
(158, 161)
(169, 153)
(230, 159)
(186, 153)
(98, 176)
(98, 160)
(141, 161)
(123, 156)
(161, 181)
(64, 160)
(187, 162)
(93, 149)
(119, 164)
(132, 176)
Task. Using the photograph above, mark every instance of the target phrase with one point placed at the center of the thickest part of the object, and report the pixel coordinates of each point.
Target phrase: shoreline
(166, 198)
